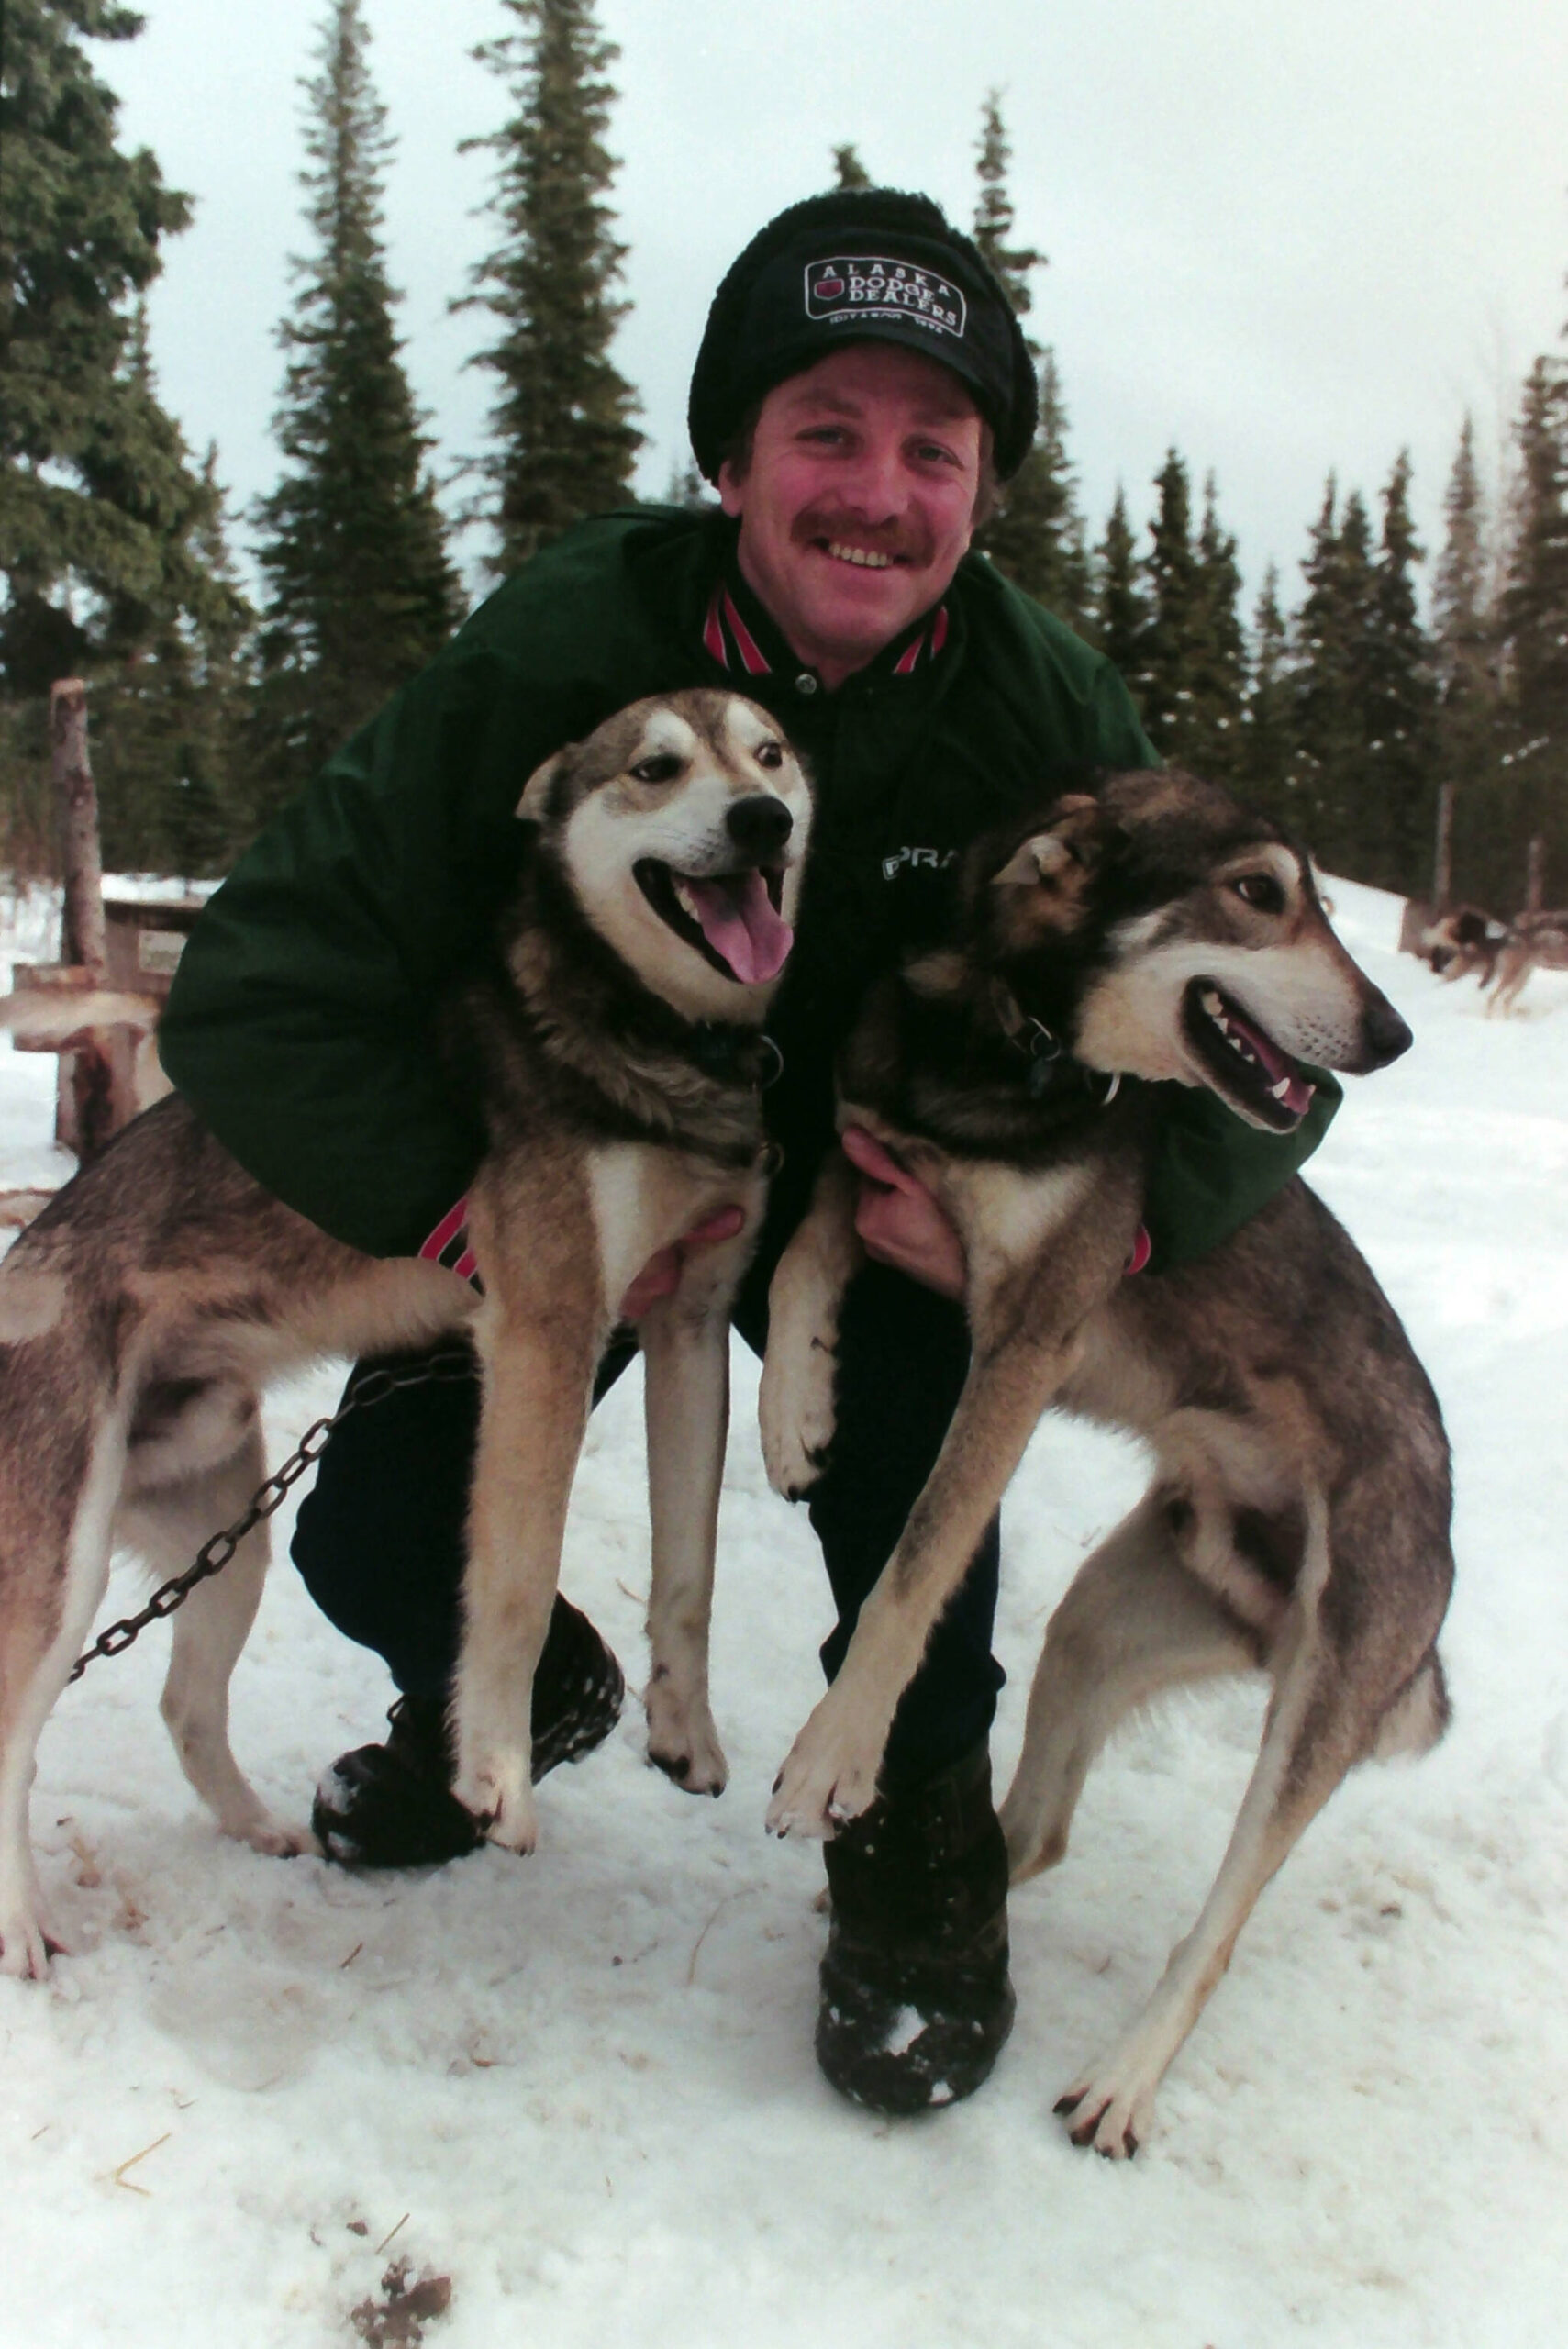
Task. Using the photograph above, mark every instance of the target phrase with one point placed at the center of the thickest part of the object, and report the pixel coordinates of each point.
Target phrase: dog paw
(1108, 2115)
(797, 1419)
(26, 1948)
(280, 1842)
(824, 1782)
(501, 1798)
(683, 1741)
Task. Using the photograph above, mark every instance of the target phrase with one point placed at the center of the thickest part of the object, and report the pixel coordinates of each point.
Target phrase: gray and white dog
(1298, 1519)
(616, 1045)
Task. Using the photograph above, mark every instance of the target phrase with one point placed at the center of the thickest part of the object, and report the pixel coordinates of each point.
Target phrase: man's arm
(299, 1022)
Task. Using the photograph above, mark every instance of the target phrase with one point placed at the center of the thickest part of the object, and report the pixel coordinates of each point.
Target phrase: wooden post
(1443, 861)
(85, 939)
(84, 1117)
(1535, 874)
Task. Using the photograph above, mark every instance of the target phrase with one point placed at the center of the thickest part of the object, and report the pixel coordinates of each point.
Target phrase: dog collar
(736, 1056)
(1051, 1066)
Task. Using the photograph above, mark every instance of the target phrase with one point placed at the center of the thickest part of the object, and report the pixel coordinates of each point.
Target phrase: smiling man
(861, 390)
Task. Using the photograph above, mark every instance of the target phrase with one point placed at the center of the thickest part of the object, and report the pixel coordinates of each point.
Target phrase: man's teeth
(864, 556)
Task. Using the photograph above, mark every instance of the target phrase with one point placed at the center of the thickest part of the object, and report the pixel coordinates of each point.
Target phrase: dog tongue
(740, 924)
(1298, 1095)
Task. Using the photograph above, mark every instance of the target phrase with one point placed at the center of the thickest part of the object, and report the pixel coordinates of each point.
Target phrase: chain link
(371, 1387)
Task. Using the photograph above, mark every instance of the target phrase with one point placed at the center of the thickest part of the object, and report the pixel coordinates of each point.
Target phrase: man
(861, 388)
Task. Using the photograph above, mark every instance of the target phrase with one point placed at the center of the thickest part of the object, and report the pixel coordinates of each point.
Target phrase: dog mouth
(731, 919)
(1247, 1069)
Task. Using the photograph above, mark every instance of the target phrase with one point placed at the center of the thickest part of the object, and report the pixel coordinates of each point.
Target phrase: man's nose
(875, 483)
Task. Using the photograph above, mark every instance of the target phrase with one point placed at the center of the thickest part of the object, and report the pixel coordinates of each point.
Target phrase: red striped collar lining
(729, 641)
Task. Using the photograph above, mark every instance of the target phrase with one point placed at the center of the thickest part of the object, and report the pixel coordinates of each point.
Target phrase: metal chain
(373, 1387)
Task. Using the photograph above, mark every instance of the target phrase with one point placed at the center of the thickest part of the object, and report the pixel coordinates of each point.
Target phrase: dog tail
(31, 1303)
(1417, 1716)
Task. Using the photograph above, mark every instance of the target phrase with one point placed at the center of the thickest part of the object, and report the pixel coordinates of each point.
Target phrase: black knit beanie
(861, 265)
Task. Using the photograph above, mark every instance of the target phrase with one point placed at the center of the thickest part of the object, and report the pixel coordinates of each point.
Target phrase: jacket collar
(741, 638)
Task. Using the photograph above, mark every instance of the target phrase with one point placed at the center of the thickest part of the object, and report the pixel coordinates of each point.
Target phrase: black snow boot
(392, 1806)
(917, 2004)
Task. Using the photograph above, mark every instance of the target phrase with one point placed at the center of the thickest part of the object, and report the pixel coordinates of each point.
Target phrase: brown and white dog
(615, 1042)
(1298, 1522)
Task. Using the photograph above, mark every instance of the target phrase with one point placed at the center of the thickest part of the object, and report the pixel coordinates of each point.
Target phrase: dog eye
(1262, 890)
(663, 766)
(770, 755)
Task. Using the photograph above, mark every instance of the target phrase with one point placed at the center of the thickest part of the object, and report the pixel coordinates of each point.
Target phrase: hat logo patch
(876, 286)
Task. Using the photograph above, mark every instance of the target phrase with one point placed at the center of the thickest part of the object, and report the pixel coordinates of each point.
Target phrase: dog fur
(1532, 942)
(618, 1053)
(1297, 1521)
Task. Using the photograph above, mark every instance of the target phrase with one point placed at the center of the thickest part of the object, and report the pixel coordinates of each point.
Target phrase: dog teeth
(1282, 1089)
(686, 900)
(1213, 1003)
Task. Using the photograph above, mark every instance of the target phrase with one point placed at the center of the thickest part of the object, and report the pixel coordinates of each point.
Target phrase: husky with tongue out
(614, 1046)
(1148, 931)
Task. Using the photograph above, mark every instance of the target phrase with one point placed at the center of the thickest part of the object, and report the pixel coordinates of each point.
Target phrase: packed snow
(581, 2086)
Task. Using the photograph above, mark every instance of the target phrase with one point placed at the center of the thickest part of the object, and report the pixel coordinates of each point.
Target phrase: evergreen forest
(1341, 708)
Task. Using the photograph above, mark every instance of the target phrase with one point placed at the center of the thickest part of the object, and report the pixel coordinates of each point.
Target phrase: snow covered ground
(581, 2085)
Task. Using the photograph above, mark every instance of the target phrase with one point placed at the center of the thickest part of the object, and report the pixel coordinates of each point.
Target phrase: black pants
(380, 1539)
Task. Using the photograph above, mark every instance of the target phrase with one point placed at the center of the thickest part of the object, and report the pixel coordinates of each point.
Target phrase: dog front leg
(795, 1401)
(831, 1773)
(538, 1375)
(685, 1345)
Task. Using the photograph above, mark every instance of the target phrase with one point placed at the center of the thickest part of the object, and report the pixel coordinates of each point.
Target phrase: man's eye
(661, 767)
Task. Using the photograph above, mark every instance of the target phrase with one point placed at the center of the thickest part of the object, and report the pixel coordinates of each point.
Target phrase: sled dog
(1146, 931)
(615, 1037)
(1532, 942)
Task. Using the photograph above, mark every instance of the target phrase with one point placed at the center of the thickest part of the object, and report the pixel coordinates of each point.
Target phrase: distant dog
(1299, 1518)
(1463, 943)
(1532, 942)
(616, 1043)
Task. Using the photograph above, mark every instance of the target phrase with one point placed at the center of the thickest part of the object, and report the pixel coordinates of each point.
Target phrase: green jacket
(300, 1020)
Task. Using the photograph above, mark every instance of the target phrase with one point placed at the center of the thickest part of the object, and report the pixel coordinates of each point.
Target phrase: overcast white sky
(1287, 237)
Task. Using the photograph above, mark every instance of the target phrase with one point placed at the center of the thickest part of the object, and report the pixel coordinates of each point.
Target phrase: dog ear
(534, 804)
(1075, 829)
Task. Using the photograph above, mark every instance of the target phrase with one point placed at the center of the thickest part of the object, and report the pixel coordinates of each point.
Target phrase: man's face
(859, 500)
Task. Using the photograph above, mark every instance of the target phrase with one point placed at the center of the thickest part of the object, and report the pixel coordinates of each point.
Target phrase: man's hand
(899, 1222)
(660, 1276)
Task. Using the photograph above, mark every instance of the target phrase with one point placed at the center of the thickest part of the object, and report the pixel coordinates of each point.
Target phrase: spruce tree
(1465, 642)
(1399, 709)
(1267, 740)
(1036, 537)
(1119, 611)
(360, 590)
(564, 419)
(1334, 629)
(102, 512)
(1215, 665)
(848, 168)
(1163, 653)
(1535, 630)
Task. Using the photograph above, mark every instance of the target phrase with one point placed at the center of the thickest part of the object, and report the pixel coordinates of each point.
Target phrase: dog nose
(1385, 1034)
(759, 822)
